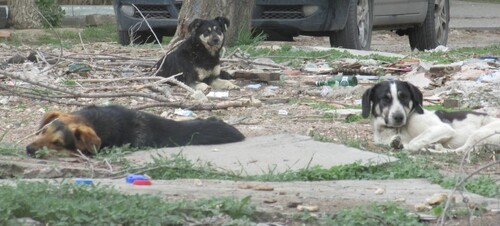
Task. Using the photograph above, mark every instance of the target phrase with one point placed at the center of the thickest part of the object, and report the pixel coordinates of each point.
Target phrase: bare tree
(23, 14)
(237, 11)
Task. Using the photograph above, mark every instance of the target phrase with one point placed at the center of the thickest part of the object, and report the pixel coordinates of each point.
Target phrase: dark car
(348, 23)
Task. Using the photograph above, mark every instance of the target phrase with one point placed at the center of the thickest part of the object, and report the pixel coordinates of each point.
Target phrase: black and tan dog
(93, 128)
(198, 57)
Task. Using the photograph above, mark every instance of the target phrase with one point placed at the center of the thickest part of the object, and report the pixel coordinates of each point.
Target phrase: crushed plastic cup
(142, 182)
(84, 181)
(133, 177)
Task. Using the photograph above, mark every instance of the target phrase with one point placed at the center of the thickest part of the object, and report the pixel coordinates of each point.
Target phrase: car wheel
(434, 30)
(357, 33)
(123, 38)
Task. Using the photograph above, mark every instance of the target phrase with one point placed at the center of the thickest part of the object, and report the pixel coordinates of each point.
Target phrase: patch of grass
(353, 118)
(10, 149)
(70, 204)
(177, 166)
(115, 154)
(439, 107)
(68, 36)
(402, 169)
(482, 185)
(388, 213)
(459, 54)
(284, 54)
(101, 33)
(247, 36)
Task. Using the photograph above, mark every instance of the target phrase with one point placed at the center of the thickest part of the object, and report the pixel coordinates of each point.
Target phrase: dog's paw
(203, 87)
(223, 84)
(396, 143)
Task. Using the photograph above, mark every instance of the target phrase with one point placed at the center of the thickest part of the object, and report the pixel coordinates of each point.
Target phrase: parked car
(348, 23)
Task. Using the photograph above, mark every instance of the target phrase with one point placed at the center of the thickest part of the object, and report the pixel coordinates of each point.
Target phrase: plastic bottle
(340, 80)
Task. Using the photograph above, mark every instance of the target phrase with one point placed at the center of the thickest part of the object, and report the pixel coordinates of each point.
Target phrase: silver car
(348, 23)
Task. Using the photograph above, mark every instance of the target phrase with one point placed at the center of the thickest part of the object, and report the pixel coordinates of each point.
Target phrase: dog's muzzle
(395, 120)
(31, 149)
(214, 41)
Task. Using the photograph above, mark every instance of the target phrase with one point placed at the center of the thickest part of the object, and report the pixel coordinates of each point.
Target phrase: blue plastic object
(83, 181)
(132, 177)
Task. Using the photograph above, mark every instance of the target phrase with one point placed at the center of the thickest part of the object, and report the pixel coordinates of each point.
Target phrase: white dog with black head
(400, 121)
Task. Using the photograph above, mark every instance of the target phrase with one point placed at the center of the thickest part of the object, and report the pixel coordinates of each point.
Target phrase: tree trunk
(23, 14)
(237, 11)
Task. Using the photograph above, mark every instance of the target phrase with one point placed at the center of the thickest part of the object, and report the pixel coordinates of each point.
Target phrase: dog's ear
(49, 117)
(366, 103)
(86, 139)
(223, 21)
(417, 97)
(194, 25)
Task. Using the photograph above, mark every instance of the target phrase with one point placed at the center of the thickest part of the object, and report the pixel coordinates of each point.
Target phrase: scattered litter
(308, 208)
(133, 177)
(318, 69)
(422, 207)
(339, 80)
(379, 191)
(419, 80)
(325, 90)
(183, 112)
(282, 112)
(83, 181)
(489, 77)
(439, 48)
(375, 77)
(142, 182)
(438, 198)
(254, 86)
(218, 94)
(490, 58)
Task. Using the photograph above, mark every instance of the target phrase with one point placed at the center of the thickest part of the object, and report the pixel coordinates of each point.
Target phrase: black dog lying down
(198, 56)
(93, 128)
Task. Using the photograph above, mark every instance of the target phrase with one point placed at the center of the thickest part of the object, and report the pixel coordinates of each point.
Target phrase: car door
(398, 12)
(384, 8)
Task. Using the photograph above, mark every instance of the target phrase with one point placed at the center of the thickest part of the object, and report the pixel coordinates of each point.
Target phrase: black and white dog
(198, 57)
(400, 121)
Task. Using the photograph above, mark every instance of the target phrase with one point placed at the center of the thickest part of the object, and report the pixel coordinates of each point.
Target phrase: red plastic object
(142, 182)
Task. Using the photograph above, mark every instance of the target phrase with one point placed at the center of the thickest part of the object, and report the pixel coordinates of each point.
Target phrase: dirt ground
(287, 106)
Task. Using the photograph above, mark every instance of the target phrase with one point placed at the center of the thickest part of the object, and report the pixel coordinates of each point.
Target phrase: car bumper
(161, 15)
(296, 15)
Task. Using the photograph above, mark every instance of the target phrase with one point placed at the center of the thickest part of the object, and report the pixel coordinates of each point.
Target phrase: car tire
(357, 33)
(123, 38)
(434, 30)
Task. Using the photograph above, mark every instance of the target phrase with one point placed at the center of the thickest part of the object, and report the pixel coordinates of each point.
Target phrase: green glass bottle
(339, 80)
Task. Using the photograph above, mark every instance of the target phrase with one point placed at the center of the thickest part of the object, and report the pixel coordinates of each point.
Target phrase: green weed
(388, 213)
(459, 54)
(9, 149)
(70, 204)
(353, 118)
(68, 37)
(482, 185)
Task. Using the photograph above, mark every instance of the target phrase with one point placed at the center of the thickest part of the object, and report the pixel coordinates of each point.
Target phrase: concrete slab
(265, 154)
